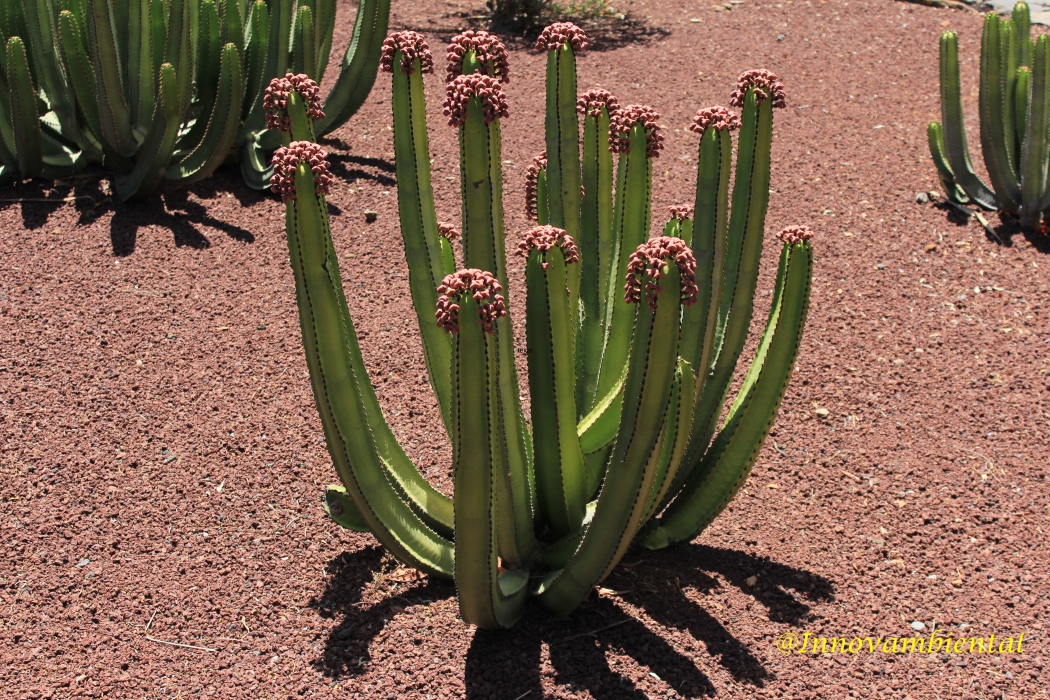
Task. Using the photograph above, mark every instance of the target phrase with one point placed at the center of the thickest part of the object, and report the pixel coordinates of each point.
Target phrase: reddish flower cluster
(620, 129)
(769, 86)
(485, 290)
(718, 118)
(560, 33)
(591, 102)
(463, 87)
(287, 159)
(412, 45)
(795, 234)
(543, 238)
(648, 262)
(681, 211)
(275, 100)
(448, 231)
(532, 174)
(486, 47)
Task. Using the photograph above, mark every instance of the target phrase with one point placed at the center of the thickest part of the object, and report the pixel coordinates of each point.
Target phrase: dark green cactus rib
(561, 494)
(727, 464)
(141, 71)
(734, 305)
(1008, 65)
(114, 114)
(994, 144)
(358, 68)
(324, 15)
(481, 187)
(222, 123)
(624, 497)
(944, 170)
(208, 65)
(631, 219)
(543, 214)
(675, 436)
(486, 599)
(562, 131)
(1036, 148)
(342, 390)
(1023, 46)
(24, 116)
(81, 73)
(954, 132)
(155, 152)
(233, 22)
(256, 46)
(1022, 91)
(419, 228)
(596, 210)
(304, 46)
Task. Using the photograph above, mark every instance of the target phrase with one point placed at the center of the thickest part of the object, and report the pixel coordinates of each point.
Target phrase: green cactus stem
(728, 462)
(536, 190)
(24, 116)
(448, 233)
(561, 494)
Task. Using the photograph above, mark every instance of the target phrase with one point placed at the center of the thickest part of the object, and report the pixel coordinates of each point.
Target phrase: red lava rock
(192, 481)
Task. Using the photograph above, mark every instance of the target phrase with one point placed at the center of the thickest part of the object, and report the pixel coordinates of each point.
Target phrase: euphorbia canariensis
(155, 91)
(631, 341)
(1014, 106)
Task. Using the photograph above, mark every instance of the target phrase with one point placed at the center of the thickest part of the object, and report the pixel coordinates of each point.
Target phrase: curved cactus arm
(114, 115)
(255, 169)
(596, 210)
(256, 44)
(632, 217)
(624, 496)
(993, 102)
(223, 121)
(598, 428)
(81, 73)
(325, 15)
(25, 119)
(675, 437)
(419, 229)
(481, 186)
(558, 459)
(1036, 149)
(358, 71)
(304, 48)
(155, 153)
(341, 508)
(209, 64)
(59, 159)
(743, 251)
(269, 57)
(486, 599)
(954, 131)
(342, 390)
(727, 464)
(935, 136)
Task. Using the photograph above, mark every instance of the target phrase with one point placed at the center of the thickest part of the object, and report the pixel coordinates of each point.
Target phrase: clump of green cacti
(153, 90)
(1014, 120)
(632, 340)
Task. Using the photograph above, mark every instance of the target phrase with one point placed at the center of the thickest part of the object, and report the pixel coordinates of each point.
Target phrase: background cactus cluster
(148, 90)
(632, 340)
(1014, 120)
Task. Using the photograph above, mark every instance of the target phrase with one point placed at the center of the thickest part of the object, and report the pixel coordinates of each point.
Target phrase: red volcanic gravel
(162, 462)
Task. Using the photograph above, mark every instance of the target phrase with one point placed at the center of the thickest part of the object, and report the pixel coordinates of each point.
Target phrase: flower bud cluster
(448, 231)
(591, 102)
(646, 268)
(275, 100)
(620, 129)
(412, 45)
(463, 87)
(487, 48)
(558, 34)
(543, 239)
(483, 287)
(769, 86)
(681, 211)
(287, 158)
(795, 234)
(717, 118)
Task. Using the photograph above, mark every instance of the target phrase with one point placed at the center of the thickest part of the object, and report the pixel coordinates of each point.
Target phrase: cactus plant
(1014, 120)
(153, 90)
(624, 448)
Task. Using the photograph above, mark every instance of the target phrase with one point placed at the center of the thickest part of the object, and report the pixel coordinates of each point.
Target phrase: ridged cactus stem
(114, 114)
(305, 47)
(624, 498)
(155, 152)
(727, 464)
(1022, 93)
(558, 459)
(345, 399)
(475, 104)
(357, 71)
(1008, 64)
(992, 96)
(1036, 149)
(24, 115)
(415, 198)
(562, 133)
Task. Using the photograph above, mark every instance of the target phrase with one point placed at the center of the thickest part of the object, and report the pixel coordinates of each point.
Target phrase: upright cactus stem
(1014, 103)
(631, 341)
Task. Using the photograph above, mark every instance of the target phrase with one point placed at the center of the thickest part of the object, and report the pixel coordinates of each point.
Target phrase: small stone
(371, 216)
(917, 626)
(922, 197)
(822, 412)
(880, 266)
(780, 37)
(751, 580)
(83, 562)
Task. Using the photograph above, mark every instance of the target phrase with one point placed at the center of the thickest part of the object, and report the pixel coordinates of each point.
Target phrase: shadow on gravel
(351, 168)
(39, 199)
(1009, 228)
(172, 209)
(346, 649)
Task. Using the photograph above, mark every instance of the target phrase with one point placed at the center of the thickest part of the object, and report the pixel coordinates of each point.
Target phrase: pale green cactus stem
(474, 105)
(596, 239)
(536, 190)
(406, 56)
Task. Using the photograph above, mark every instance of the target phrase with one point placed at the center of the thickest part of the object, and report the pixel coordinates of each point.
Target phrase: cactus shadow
(172, 209)
(346, 651)
(1009, 228)
(39, 199)
(351, 169)
(507, 664)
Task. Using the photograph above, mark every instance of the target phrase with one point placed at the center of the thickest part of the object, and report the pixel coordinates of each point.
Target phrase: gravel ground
(161, 460)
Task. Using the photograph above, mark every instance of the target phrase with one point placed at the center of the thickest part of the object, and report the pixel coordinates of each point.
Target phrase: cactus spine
(624, 448)
(1014, 103)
